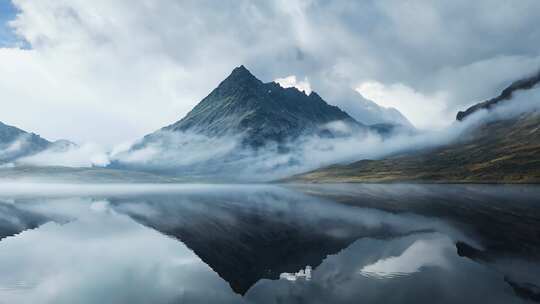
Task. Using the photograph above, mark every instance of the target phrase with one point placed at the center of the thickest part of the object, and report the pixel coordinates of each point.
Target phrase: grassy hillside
(504, 151)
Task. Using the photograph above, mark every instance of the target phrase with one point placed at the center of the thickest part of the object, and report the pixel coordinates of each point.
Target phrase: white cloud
(111, 71)
(163, 270)
(422, 253)
(168, 149)
(423, 111)
(87, 155)
(291, 81)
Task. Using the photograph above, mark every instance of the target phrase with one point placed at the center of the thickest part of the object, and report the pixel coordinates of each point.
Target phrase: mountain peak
(239, 77)
(241, 72)
(260, 112)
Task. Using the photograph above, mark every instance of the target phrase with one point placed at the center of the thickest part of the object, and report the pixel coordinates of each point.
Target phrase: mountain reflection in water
(230, 244)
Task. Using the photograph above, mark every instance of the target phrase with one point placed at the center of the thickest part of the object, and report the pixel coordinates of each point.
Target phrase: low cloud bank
(20, 146)
(86, 155)
(192, 154)
(227, 158)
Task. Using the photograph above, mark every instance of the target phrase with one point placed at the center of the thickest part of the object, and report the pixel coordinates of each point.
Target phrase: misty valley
(269, 194)
(276, 151)
(266, 244)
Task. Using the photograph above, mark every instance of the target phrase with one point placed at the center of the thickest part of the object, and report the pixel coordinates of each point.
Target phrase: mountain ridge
(507, 94)
(16, 143)
(495, 149)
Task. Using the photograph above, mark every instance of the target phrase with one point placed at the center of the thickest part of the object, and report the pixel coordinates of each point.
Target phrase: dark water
(270, 244)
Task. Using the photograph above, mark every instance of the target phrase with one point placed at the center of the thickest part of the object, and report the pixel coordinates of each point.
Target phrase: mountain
(243, 245)
(247, 129)
(368, 112)
(16, 143)
(261, 112)
(246, 236)
(507, 94)
(499, 148)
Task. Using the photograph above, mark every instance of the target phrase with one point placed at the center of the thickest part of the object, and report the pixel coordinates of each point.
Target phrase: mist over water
(162, 152)
(230, 243)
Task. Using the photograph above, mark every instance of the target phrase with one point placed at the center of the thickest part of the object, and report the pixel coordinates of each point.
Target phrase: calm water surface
(269, 244)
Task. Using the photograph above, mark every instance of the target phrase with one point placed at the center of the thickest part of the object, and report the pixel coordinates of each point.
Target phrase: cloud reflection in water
(128, 247)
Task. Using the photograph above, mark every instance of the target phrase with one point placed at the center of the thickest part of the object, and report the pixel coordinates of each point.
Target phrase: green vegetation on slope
(504, 151)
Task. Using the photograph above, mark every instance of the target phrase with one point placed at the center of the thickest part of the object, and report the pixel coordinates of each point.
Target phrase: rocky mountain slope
(262, 113)
(505, 150)
(245, 129)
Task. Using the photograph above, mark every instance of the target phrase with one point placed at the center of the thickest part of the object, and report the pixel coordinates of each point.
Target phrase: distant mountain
(262, 112)
(501, 149)
(16, 143)
(369, 112)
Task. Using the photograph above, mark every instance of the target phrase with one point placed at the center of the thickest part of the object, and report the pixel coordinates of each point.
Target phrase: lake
(342, 243)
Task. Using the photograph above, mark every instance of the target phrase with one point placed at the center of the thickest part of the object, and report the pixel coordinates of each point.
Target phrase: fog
(87, 240)
(86, 155)
(91, 259)
(76, 244)
(33, 189)
(16, 148)
(73, 68)
(196, 154)
(226, 158)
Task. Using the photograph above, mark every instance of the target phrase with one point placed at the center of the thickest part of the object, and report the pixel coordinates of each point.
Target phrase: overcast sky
(110, 71)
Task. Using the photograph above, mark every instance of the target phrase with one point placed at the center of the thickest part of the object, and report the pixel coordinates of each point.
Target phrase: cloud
(101, 238)
(167, 149)
(226, 158)
(135, 67)
(422, 253)
(164, 270)
(21, 145)
(423, 111)
(13, 148)
(290, 82)
(87, 155)
(522, 102)
(169, 272)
